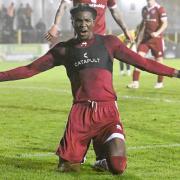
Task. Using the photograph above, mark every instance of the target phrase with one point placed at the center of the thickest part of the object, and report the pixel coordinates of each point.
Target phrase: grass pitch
(33, 114)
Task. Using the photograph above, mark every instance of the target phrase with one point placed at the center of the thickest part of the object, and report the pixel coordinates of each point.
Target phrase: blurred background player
(100, 25)
(153, 25)
(132, 46)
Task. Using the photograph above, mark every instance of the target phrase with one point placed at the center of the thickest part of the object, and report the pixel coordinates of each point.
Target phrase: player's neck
(85, 42)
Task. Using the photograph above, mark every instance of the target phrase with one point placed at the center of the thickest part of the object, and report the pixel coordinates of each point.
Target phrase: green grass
(33, 114)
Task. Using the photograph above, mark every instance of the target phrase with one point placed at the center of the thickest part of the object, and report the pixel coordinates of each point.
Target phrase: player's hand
(177, 73)
(128, 36)
(52, 33)
(154, 34)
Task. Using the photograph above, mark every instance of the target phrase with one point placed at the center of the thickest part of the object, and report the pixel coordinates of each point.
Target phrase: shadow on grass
(35, 109)
(50, 167)
(26, 163)
(35, 149)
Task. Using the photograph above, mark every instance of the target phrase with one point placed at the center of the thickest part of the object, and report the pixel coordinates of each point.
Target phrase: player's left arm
(118, 17)
(121, 52)
(164, 23)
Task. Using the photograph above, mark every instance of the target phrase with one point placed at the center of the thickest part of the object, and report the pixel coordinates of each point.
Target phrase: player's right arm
(118, 17)
(140, 33)
(51, 59)
(163, 24)
(53, 31)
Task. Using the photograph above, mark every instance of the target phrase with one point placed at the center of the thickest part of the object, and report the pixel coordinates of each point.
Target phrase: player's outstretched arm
(41, 64)
(53, 31)
(117, 16)
(122, 53)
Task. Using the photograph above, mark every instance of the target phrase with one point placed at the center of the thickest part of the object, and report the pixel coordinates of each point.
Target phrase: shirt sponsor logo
(86, 60)
(85, 55)
(118, 127)
(102, 6)
(151, 20)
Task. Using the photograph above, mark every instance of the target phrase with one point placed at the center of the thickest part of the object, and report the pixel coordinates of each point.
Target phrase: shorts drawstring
(93, 105)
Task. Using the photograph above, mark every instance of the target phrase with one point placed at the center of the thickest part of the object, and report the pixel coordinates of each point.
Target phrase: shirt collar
(155, 5)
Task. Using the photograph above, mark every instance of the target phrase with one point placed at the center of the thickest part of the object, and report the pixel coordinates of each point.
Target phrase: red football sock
(160, 79)
(117, 164)
(136, 75)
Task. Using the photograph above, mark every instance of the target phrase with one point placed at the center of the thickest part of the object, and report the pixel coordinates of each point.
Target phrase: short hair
(83, 7)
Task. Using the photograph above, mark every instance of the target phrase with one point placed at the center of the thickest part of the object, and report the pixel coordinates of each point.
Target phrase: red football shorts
(156, 45)
(89, 120)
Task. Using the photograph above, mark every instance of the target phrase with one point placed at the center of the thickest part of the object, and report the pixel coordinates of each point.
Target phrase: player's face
(151, 3)
(83, 24)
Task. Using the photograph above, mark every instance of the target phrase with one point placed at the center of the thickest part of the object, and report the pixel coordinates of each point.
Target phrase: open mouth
(83, 32)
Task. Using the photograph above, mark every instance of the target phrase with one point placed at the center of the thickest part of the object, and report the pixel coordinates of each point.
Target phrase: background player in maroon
(153, 25)
(100, 25)
(94, 113)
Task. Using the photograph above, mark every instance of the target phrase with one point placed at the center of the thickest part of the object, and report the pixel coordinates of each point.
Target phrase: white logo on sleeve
(118, 127)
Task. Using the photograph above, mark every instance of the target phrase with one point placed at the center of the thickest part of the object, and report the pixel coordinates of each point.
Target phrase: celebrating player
(88, 59)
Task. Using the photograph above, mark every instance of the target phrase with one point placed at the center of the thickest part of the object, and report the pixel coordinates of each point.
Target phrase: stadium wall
(22, 52)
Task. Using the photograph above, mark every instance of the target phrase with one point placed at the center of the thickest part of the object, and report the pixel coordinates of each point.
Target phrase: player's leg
(121, 65)
(128, 69)
(116, 155)
(74, 144)
(113, 157)
(100, 152)
(66, 166)
(157, 48)
(136, 74)
(159, 83)
(107, 129)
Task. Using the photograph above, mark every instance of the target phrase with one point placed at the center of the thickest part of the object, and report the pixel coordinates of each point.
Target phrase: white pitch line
(149, 99)
(131, 148)
(69, 92)
(155, 146)
(36, 88)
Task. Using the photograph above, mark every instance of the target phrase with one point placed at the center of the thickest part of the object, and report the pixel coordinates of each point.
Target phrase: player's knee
(117, 164)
